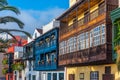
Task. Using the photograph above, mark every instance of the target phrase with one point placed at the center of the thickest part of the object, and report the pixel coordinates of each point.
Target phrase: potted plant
(18, 66)
(55, 59)
(5, 61)
(39, 62)
(4, 71)
(42, 61)
(49, 61)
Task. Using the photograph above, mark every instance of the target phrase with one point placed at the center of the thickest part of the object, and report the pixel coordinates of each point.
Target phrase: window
(81, 76)
(78, 42)
(82, 41)
(87, 40)
(49, 76)
(54, 76)
(61, 76)
(91, 38)
(33, 77)
(107, 70)
(29, 76)
(94, 75)
(96, 36)
(30, 64)
(103, 34)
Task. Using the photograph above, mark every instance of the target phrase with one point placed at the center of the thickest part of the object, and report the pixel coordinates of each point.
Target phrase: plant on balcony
(18, 66)
(4, 71)
(49, 61)
(39, 62)
(42, 61)
(5, 61)
(47, 39)
(55, 59)
(53, 36)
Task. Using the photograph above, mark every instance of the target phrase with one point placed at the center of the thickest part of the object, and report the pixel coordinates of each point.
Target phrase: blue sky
(35, 13)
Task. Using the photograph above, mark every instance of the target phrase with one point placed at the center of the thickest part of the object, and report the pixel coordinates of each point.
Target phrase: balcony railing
(45, 65)
(18, 55)
(93, 54)
(84, 20)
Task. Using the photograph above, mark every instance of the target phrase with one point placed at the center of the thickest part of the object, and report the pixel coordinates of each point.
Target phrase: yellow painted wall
(86, 70)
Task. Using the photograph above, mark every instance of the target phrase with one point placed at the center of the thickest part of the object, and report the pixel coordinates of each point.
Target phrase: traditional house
(29, 57)
(85, 40)
(46, 53)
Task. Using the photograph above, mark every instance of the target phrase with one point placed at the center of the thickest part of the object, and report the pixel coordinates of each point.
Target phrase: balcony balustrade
(93, 54)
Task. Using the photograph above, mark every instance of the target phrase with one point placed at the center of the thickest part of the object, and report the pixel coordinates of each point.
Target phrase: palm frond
(15, 30)
(11, 8)
(11, 19)
(4, 2)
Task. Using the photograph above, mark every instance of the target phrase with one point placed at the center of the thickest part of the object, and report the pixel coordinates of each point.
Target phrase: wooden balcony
(87, 56)
(97, 16)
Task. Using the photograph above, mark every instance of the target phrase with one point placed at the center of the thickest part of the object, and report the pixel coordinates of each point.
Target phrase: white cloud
(33, 18)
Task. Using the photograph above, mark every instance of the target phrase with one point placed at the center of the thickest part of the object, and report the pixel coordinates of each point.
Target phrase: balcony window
(91, 38)
(96, 36)
(102, 34)
(78, 42)
(87, 40)
(82, 40)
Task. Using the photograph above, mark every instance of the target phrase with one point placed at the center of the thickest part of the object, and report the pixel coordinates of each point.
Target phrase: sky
(35, 13)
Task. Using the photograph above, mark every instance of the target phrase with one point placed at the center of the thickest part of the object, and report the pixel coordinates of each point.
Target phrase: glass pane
(54, 76)
(61, 76)
(49, 76)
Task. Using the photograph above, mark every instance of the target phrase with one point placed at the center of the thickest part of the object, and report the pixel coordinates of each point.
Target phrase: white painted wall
(51, 25)
(33, 37)
(44, 74)
(26, 72)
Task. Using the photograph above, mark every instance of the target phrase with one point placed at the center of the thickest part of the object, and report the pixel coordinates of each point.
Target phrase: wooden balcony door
(71, 76)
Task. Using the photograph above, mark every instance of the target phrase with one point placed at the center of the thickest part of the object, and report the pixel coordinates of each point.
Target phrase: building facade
(46, 56)
(28, 57)
(85, 40)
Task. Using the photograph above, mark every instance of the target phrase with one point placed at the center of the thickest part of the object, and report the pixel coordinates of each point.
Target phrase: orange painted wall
(9, 76)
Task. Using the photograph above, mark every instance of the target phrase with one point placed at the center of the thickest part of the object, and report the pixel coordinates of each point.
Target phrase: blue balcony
(46, 51)
(44, 66)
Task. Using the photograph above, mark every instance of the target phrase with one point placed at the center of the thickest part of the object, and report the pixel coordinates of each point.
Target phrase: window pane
(54, 76)
(61, 76)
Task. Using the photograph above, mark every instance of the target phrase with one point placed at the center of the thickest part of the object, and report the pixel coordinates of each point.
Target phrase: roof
(39, 30)
(70, 9)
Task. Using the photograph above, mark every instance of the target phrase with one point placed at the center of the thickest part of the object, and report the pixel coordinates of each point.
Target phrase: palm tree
(3, 20)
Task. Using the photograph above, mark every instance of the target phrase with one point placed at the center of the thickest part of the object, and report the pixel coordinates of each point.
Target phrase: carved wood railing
(92, 54)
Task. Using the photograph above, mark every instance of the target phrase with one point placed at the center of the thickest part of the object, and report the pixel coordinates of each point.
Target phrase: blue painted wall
(46, 51)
